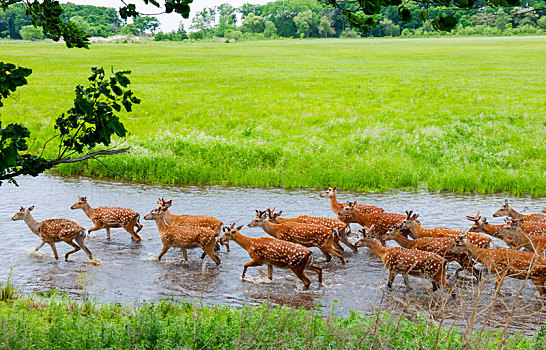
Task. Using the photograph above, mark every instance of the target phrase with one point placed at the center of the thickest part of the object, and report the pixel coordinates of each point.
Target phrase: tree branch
(88, 156)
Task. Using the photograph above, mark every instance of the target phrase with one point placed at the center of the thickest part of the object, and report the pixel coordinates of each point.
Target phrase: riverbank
(366, 115)
(54, 321)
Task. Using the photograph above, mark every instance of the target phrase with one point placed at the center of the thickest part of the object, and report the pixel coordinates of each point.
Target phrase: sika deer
(184, 237)
(512, 230)
(343, 230)
(381, 221)
(407, 262)
(55, 230)
(438, 246)
(481, 225)
(505, 262)
(411, 224)
(308, 235)
(331, 194)
(274, 252)
(192, 220)
(507, 210)
(110, 217)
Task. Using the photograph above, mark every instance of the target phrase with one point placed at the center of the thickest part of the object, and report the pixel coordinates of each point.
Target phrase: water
(130, 272)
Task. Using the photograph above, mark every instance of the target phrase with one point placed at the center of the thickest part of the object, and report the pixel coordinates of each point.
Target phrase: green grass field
(457, 114)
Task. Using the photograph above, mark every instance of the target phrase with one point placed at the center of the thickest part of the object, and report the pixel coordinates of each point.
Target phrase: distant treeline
(283, 19)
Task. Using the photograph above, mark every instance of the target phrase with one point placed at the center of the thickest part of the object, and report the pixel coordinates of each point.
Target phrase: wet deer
(481, 225)
(343, 230)
(438, 246)
(331, 194)
(513, 231)
(504, 262)
(192, 220)
(410, 223)
(110, 217)
(407, 262)
(381, 221)
(507, 210)
(51, 231)
(184, 237)
(308, 235)
(274, 252)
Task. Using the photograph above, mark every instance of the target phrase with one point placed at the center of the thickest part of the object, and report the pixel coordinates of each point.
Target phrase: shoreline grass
(55, 321)
(456, 114)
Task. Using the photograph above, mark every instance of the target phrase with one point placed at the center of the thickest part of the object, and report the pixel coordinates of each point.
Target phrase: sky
(169, 22)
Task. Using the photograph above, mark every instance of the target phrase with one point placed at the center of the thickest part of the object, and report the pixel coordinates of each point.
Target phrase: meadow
(456, 114)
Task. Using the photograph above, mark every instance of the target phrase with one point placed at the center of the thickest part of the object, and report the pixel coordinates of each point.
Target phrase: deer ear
(22, 208)
(225, 229)
(335, 189)
(239, 228)
(279, 213)
(30, 208)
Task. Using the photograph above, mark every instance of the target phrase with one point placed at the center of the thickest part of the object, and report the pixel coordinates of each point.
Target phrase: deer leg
(226, 244)
(131, 229)
(108, 233)
(337, 245)
(209, 250)
(270, 271)
(97, 226)
(326, 255)
(76, 248)
(348, 244)
(434, 286)
(299, 272)
(406, 282)
(335, 252)
(163, 251)
(138, 225)
(39, 246)
(184, 253)
(318, 270)
(392, 274)
(52, 244)
(81, 241)
(251, 263)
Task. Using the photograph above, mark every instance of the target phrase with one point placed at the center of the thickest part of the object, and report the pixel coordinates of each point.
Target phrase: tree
(130, 29)
(501, 19)
(325, 27)
(31, 33)
(147, 23)
(82, 23)
(306, 22)
(389, 28)
(203, 20)
(270, 30)
(253, 24)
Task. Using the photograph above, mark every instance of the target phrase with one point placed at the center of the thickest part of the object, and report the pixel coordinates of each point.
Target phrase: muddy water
(130, 272)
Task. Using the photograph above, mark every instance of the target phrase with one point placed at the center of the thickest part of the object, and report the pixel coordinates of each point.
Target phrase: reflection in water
(129, 271)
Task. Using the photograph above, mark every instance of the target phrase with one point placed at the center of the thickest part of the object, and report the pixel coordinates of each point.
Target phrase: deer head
(22, 213)
(510, 228)
(479, 222)
(410, 220)
(504, 210)
(391, 234)
(229, 233)
(329, 193)
(367, 237)
(82, 202)
(349, 209)
(272, 215)
(460, 245)
(156, 213)
(162, 202)
(259, 220)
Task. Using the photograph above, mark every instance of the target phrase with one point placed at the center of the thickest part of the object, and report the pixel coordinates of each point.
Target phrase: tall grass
(441, 114)
(35, 322)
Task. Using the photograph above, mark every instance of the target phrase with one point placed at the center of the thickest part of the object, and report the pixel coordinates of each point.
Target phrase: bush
(200, 35)
(31, 33)
(349, 33)
(234, 34)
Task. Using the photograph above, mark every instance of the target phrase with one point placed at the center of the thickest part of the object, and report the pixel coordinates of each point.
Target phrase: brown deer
(411, 224)
(331, 194)
(481, 225)
(343, 229)
(274, 252)
(308, 235)
(110, 217)
(507, 210)
(438, 246)
(192, 220)
(513, 231)
(184, 237)
(504, 262)
(381, 221)
(51, 231)
(407, 262)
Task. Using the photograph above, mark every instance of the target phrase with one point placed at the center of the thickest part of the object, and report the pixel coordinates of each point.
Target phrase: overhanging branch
(88, 156)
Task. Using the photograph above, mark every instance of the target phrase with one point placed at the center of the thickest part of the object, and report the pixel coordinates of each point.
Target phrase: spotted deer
(410, 223)
(439, 246)
(192, 220)
(512, 230)
(110, 217)
(51, 231)
(407, 262)
(507, 210)
(184, 237)
(331, 194)
(274, 252)
(481, 225)
(504, 262)
(308, 235)
(343, 230)
(381, 221)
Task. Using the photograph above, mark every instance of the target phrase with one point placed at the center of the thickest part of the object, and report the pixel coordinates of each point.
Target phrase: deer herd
(423, 252)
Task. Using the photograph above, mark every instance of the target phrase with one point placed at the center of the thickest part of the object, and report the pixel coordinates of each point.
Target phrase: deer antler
(474, 218)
